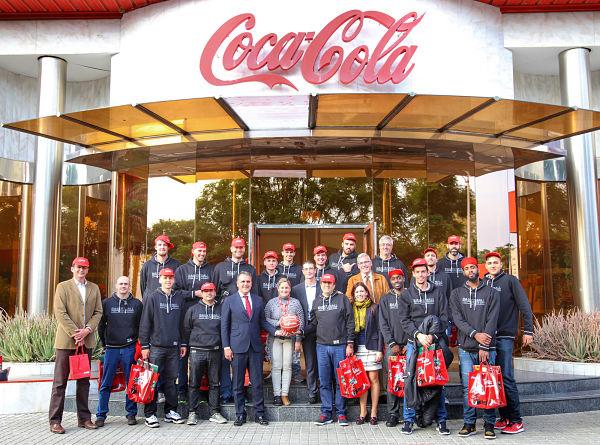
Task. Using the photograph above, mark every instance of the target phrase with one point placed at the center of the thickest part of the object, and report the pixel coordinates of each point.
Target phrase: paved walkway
(580, 429)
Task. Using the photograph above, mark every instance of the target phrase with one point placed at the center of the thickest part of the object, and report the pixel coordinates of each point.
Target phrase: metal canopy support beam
(232, 113)
(468, 114)
(397, 109)
(535, 122)
(161, 119)
(574, 69)
(101, 129)
(47, 190)
(313, 106)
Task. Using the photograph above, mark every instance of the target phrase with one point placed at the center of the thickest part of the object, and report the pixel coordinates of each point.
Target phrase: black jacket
(453, 269)
(299, 293)
(202, 326)
(341, 279)
(120, 322)
(332, 319)
(267, 285)
(382, 267)
(293, 272)
(513, 300)
(374, 339)
(473, 311)
(416, 304)
(389, 320)
(336, 260)
(225, 277)
(190, 277)
(149, 274)
(162, 320)
(442, 280)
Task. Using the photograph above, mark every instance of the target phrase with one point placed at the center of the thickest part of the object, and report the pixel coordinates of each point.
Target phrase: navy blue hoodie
(149, 274)
(416, 304)
(382, 267)
(267, 285)
(453, 269)
(120, 322)
(513, 300)
(293, 272)
(190, 277)
(475, 310)
(162, 320)
(389, 320)
(225, 277)
(202, 326)
(336, 260)
(341, 279)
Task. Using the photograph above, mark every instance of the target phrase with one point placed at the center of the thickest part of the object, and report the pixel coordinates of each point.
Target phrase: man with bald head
(118, 332)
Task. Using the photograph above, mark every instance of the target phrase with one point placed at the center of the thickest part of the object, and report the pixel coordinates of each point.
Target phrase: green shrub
(573, 336)
(28, 338)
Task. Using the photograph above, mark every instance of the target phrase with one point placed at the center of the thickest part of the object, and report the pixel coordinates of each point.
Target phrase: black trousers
(309, 347)
(205, 362)
(167, 360)
(252, 361)
(59, 387)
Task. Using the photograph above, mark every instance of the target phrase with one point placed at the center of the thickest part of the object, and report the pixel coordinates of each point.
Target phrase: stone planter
(29, 387)
(557, 367)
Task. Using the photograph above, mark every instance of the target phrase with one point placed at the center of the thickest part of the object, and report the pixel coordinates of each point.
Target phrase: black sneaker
(488, 431)
(442, 429)
(131, 420)
(407, 428)
(392, 421)
(277, 401)
(467, 430)
(323, 420)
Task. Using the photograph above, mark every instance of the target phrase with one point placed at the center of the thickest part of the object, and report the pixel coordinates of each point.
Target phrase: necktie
(367, 281)
(247, 304)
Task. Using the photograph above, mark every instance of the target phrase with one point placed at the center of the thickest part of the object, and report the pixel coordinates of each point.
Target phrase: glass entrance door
(264, 237)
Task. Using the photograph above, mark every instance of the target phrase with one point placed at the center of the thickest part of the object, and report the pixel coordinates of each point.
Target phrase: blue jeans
(112, 358)
(226, 389)
(328, 360)
(410, 414)
(182, 376)
(467, 360)
(504, 358)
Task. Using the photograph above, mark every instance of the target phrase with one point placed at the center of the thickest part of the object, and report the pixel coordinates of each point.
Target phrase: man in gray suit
(306, 292)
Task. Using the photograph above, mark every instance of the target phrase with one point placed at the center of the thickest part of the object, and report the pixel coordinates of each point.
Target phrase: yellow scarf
(360, 314)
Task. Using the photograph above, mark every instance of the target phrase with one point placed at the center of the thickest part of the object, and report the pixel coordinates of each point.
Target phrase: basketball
(289, 324)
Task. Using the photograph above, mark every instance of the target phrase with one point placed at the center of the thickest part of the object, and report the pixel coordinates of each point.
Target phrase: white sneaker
(173, 417)
(218, 418)
(192, 419)
(161, 397)
(152, 421)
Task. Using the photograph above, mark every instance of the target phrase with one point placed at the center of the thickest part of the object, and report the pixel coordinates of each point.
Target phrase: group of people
(198, 320)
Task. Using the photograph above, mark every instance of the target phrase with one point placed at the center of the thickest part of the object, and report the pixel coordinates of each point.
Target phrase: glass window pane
(355, 110)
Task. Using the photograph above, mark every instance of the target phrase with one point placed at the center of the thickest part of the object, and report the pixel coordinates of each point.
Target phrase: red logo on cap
(319, 249)
(208, 286)
(166, 272)
(289, 246)
(328, 278)
(81, 261)
(238, 242)
(453, 239)
(270, 254)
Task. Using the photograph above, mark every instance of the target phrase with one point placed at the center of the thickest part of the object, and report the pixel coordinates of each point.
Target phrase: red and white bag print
(352, 378)
(486, 387)
(431, 368)
(396, 367)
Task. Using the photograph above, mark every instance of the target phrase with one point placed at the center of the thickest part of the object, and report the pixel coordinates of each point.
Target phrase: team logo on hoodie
(197, 276)
(170, 307)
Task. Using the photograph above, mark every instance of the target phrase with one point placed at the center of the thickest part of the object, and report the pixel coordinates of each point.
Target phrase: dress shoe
(285, 400)
(87, 424)
(392, 421)
(99, 422)
(261, 420)
(277, 401)
(131, 420)
(239, 421)
(57, 428)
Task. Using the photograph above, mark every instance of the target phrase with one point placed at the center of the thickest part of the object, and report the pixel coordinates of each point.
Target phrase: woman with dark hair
(368, 346)
(287, 315)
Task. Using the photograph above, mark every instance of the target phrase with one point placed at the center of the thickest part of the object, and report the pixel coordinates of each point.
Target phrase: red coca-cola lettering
(319, 59)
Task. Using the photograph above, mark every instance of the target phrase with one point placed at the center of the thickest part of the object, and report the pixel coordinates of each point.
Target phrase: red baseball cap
(166, 272)
(270, 254)
(289, 246)
(349, 236)
(430, 249)
(319, 249)
(328, 278)
(468, 260)
(238, 242)
(418, 262)
(493, 254)
(394, 272)
(198, 245)
(208, 286)
(165, 239)
(453, 239)
(81, 261)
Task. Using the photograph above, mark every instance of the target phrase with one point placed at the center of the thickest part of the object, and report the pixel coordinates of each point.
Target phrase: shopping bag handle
(79, 348)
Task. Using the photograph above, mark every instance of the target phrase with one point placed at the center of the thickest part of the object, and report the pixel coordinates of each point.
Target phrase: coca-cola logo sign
(317, 54)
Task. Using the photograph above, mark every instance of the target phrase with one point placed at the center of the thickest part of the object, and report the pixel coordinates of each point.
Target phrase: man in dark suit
(306, 293)
(242, 317)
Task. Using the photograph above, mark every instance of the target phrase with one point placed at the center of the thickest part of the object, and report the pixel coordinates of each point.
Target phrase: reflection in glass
(10, 201)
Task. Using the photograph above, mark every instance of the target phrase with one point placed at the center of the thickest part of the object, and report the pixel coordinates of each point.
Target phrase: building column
(581, 183)
(46, 189)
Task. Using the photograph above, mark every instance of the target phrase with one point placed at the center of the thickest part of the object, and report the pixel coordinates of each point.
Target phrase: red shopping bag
(453, 340)
(396, 367)
(204, 383)
(142, 382)
(138, 351)
(118, 383)
(486, 387)
(352, 378)
(431, 367)
(79, 364)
